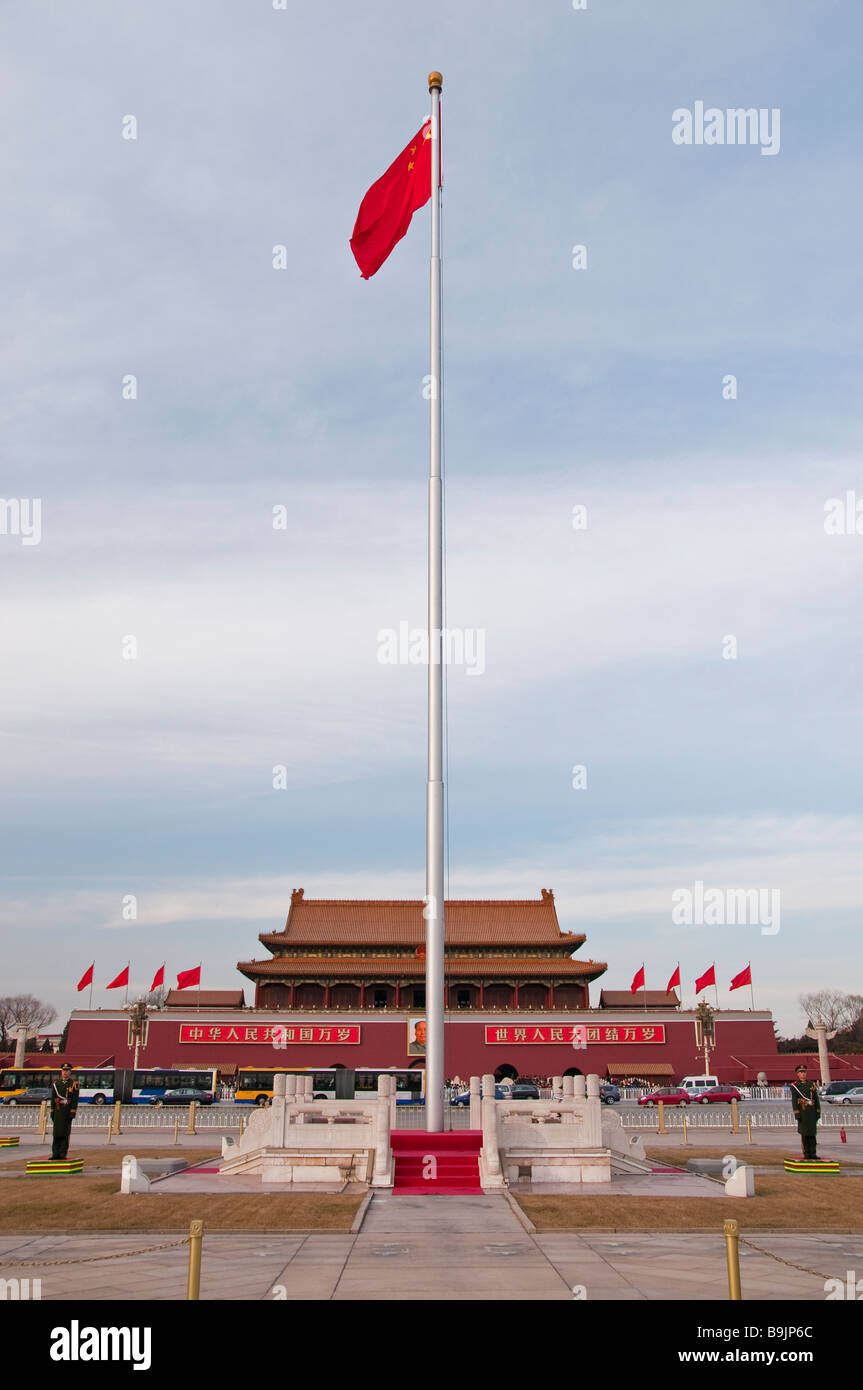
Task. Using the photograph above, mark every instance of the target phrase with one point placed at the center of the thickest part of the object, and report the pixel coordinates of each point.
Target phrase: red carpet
(443, 1164)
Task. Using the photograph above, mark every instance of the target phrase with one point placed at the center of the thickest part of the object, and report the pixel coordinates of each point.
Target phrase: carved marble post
(594, 1111)
(291, 1098)
(475, 1103)
(277, 1111)
(568, 1087)
(382, 1175)
(489, 1131)
(578, 1087)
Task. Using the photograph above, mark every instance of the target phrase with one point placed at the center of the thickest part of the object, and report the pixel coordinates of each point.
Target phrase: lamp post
(705, 1032)
(139, 1026)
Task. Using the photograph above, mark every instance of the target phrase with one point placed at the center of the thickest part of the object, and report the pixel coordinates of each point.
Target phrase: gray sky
(302, 388)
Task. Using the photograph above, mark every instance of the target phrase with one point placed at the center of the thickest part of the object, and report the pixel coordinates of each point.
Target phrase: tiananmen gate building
(344, 986)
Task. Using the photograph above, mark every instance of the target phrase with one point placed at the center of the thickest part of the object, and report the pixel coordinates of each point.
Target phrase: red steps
(454, 1172)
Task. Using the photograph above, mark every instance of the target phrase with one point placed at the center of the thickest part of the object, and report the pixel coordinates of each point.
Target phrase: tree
(23, 1010)
(838, 1010)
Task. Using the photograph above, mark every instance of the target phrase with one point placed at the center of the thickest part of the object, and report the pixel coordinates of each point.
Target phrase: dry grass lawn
(111, 1156)
(783, 1202)
(36, 1204)
(745, 1153)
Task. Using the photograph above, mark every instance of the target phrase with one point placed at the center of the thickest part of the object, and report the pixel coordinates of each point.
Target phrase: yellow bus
(255, 1084)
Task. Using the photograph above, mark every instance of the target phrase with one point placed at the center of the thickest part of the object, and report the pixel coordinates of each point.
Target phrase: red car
(670, 1095)
(725, 1093)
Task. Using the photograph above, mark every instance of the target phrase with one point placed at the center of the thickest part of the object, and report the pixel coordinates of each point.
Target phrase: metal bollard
(191, 1126)
(749, 1129)
(732, 1253)
(110, 1133)
(242, 1125)
(196, 1238)
(116, 1116)
(685, 1140)
(177, 1130)
(43, 1118)
(660, 1127)
(735, 1117)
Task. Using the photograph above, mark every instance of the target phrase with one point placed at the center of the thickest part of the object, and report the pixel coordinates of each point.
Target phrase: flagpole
(715, 985)
(126, 989)
(434, 910)
(751, 990)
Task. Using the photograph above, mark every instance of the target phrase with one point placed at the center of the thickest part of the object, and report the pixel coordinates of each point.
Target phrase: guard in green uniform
(64, 1106)
(806, 1103)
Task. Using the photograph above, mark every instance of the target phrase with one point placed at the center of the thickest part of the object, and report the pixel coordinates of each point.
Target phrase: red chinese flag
(121, 980)
(386, 210)
(708, 978)
(744, 978)
(674, 982)
(187, 978)
(158, 978)
(87, 978)
(638, 981)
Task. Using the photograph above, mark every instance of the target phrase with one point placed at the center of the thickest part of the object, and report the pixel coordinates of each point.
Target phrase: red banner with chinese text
(582, 1033)
(278, 1035)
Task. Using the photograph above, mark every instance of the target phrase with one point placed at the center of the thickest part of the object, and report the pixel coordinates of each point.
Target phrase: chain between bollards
(732, 1253)
(196, 1240)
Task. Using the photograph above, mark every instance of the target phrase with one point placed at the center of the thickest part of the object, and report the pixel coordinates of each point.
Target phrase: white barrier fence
(228, 1117)
(719, 1117)
(131, 1117)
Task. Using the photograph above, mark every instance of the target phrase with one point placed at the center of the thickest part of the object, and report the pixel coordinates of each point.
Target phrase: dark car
(500, 1093)
(183, 1097)
(671, 1095)
(609, 1094)
(837, 1088)
(33, 1095)
(523, 1090)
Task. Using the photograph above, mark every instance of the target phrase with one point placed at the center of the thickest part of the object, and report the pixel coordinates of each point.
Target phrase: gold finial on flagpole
(435, 80)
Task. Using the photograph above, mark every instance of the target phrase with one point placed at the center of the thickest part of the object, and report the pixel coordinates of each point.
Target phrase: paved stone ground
(442, 1248)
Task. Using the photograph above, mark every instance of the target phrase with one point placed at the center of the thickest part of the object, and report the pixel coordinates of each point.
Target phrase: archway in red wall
(573, 1071)
(506, 1069)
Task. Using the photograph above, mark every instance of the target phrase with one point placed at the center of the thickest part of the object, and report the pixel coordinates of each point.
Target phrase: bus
(13, 1080)
(255, 1084)
(105, 1085)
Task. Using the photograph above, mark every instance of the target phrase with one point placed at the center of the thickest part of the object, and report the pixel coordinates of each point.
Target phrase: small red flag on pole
(674, 981)
(744, 978)
(158, 978)
(87, 978)
(386, 210)
(708, 978)
(187, 978)
(121, 981)
(637, 981)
